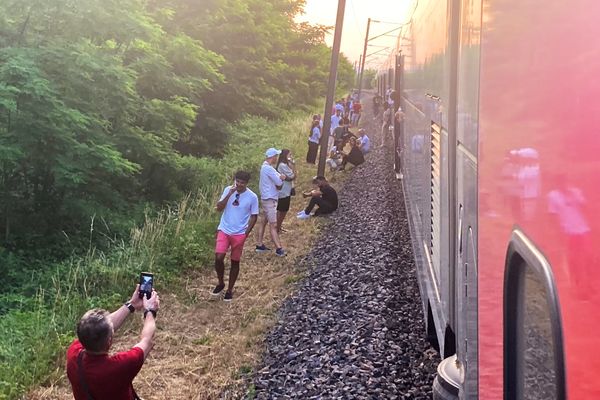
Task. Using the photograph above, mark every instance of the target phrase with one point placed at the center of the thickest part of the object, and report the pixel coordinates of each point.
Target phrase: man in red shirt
(93, 373)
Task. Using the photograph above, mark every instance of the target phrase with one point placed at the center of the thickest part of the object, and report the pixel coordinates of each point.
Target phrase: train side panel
(425, 163)
(539, 149)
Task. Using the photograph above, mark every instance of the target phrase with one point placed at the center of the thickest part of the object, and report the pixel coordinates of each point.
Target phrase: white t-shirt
(234, 220)
(269, 179)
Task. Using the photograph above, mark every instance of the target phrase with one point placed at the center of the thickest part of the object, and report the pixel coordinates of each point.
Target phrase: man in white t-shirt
(239, 206)
(270, 183)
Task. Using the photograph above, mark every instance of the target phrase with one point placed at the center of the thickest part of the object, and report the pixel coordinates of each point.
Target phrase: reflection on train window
(535, 356)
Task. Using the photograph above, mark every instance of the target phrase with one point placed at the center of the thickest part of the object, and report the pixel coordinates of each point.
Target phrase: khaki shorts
(269, 210)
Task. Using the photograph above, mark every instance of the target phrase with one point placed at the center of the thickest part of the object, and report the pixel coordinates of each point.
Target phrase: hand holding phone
(153, 302)
(146, 284)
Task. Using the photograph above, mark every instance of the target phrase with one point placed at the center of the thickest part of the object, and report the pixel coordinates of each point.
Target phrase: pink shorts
(224, 241)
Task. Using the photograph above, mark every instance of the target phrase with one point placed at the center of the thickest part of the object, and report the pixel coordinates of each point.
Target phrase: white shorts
(269, 210)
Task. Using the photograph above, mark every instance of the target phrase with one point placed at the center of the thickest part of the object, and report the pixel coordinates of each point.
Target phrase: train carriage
(499, 153)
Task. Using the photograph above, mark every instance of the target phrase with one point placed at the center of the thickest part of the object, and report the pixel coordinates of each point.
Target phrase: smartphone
(146, 284)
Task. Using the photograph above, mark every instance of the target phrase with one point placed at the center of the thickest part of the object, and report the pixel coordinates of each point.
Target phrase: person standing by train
(313, 142)
(270, 183)
(387, 122)
(285, 166)
(356, 112)
(377, 101)
(239, 208)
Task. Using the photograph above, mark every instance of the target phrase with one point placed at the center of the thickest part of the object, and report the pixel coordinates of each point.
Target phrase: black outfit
(283, 204)
(328, 202)
(355, 157)
(311, 155)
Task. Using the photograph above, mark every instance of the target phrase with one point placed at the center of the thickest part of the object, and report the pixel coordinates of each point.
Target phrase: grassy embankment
(34, 332)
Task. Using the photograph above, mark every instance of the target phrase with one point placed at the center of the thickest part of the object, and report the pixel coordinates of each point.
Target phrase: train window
(534, 367)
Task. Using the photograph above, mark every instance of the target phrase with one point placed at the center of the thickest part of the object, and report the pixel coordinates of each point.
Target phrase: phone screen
(146, 284)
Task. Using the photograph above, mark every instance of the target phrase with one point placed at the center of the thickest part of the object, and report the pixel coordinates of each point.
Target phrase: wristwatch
(129, 306)
(153, 312)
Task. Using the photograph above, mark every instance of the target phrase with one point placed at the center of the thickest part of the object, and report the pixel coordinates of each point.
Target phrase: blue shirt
(366, 144)
(234, 220)
(316, 135)
(335, 122)
(269, 179)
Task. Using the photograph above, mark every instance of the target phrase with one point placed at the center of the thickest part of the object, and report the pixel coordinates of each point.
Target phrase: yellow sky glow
(355, 24)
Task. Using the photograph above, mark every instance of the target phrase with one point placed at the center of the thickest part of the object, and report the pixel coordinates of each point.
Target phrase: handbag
(293, 192)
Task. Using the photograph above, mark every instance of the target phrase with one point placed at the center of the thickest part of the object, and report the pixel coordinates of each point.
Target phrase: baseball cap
(272, 152)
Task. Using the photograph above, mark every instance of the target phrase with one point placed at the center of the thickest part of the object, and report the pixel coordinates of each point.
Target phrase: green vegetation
(120, 121)
(35, 330)
(105, 105)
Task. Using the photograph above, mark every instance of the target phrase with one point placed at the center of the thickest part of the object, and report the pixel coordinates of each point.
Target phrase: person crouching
(323, 195)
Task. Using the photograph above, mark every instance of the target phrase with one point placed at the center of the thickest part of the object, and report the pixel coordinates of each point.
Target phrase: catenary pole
(358, 70)
(335, 55)
(364, 56)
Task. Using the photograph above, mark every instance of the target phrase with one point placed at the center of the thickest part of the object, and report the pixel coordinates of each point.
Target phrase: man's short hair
(319, 178)
(95, 329)
(242, 176)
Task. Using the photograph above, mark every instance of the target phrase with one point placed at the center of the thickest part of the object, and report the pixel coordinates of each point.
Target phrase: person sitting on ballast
(323, 195)
(355, 156)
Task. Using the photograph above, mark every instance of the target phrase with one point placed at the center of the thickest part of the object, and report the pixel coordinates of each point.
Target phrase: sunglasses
(236, 202)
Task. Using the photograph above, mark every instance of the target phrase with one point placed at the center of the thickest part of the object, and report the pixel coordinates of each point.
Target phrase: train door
(467, 201)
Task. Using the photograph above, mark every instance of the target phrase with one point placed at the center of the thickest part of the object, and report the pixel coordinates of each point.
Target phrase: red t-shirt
(107, 377)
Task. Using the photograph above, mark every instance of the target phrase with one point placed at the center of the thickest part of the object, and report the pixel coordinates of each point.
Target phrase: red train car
(500, 155)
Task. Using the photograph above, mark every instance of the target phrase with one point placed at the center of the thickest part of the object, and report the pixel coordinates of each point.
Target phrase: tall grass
(34, 332)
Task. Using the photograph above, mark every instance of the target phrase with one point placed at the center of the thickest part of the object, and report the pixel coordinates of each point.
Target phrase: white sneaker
(300, 212)
(303, 215)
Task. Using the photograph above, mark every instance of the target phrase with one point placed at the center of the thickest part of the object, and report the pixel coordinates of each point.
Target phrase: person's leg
(311, 204)
(221, 247)
(261, 229)
(233, 275)
(220, 268)
(237, 246)
(344, 162)
(280, 217)
(271, 218)
(275, 235)
(283, 206)
(324, 207)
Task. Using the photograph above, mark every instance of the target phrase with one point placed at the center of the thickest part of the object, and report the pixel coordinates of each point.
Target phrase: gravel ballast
(354, 328)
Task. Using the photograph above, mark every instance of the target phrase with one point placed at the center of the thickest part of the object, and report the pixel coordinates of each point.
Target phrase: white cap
(272, 152)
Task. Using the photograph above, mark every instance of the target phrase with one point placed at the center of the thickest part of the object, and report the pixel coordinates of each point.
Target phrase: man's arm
(277, 178)
(147, 336)
(119, 316)
(223, 202)
(251, 223)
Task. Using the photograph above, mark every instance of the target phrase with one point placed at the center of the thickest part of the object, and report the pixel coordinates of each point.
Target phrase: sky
(355, 24)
